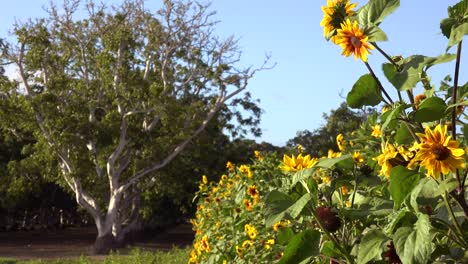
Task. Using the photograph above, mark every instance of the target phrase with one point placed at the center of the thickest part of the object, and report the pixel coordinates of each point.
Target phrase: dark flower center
(355, 42)
(441, 152)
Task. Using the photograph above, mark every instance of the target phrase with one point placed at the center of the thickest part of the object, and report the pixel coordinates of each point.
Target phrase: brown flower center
(355, 42)
(441, 152)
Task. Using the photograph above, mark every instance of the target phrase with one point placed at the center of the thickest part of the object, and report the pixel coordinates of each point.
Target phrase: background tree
(341, 120)
(117, 95)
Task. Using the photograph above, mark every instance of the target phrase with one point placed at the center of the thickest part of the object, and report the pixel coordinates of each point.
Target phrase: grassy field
(175, 256)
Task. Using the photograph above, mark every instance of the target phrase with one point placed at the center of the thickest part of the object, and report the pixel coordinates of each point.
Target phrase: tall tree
(319, 141)
(118, 94)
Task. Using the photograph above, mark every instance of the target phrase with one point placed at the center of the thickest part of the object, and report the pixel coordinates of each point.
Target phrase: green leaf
(402, 182)
(284, 235)
(375, 11)
(277, 204)
(397, 219)
(329, 249)
(301, 246)
(459, 10)
(364, 92)
(431, 109)
(408, 76)
(446, 185)
(465, 133)
(389, 117)
(414, 245)
(375, 33)
(328, 163)
(302, 175)
(446, 26)
(456, 34)
(425, 188)
(403, 135)
(370, 247)
(443, 58)
(280, 204)
(299, 205)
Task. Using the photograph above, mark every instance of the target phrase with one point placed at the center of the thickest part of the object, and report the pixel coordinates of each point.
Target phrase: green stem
(386, 55)
(382, 89)
(447, 225)
(355, 187)
(454, 101)
(452, 215)
(455, 91)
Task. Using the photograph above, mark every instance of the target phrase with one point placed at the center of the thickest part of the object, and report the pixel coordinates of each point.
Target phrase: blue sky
(311, 77)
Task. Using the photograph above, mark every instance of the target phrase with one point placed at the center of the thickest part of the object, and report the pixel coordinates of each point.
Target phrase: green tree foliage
(114, 96)
(319, 141)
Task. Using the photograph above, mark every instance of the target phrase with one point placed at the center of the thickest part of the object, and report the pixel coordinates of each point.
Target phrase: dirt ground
(74, 242)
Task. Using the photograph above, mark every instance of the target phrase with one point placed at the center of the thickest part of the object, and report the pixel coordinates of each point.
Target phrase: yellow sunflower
(351, 39)
(333, 154)
(204, 179)
(358, 158)
(376, 132)
(251, 231)
(341, 142)
(230, 166)
(298, 163)
(246, 170)
(253, 192)
(388, 154)
(438, 153)
(258, 155)
(269, 243)
(248, 204)
(247, 244)
(334, 14)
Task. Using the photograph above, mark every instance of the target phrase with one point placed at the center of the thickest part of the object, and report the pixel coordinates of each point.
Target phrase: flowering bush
(396, 191)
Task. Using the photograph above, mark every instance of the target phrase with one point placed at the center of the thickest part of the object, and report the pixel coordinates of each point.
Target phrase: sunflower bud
(418, 98)
(392, 255)
(330, 220)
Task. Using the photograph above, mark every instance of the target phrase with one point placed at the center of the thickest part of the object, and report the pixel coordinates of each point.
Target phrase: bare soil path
(74, 242)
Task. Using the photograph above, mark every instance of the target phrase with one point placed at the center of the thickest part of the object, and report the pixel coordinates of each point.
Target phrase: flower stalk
(382, 89)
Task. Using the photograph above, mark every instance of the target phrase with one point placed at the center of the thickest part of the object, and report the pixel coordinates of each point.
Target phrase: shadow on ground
(75, 242)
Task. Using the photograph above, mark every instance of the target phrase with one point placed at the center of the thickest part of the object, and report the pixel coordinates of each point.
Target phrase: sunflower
(385, 159)
(334, 14)
(333, 154)
(248, 204)
(204, 245)
(351, 39)
(251, 231)
(253, 192)
(269, 243)
(247, 244)
(298, 163)
(357, 157)
(376, 132)
(341, 142)
(246, 170)
(258, 155)
(437, 153)
(230, 166)
(204, 179)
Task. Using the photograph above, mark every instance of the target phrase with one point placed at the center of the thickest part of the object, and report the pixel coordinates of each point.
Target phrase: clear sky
(311, 77)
